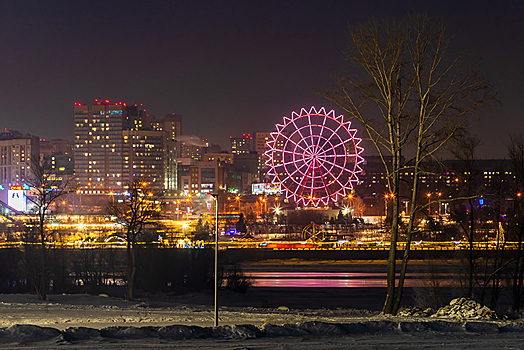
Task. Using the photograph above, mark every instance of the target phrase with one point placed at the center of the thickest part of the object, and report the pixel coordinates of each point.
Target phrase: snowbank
(31, 333)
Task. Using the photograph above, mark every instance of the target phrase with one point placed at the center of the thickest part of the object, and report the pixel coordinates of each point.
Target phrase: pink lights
(315, 157)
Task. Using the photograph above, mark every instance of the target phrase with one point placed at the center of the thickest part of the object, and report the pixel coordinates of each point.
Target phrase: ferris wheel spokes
(314, 156)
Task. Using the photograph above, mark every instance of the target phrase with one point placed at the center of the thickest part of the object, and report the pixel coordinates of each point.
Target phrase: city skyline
(228, 68)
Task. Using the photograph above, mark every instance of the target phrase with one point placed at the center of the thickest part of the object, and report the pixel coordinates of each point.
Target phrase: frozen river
(347, 274)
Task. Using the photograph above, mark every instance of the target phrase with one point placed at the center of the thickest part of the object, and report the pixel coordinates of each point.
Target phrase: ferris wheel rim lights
(315, 157)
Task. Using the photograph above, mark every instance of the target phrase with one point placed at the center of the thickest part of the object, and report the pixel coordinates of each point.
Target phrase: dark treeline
(104, 270)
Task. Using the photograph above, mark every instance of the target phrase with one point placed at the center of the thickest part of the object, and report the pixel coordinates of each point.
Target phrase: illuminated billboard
(262, 188)
(17, 200)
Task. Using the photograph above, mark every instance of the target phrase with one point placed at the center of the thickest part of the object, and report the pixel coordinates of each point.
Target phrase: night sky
(229, 67)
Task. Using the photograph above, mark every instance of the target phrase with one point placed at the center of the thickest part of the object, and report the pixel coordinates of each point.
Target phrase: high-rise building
(171, 123)
(242, 144)
(57, 156)
(192, 147)
(146, 156)
(17, 152)
(261, 139)
(115, 144)
(136, 118)
(99, 147)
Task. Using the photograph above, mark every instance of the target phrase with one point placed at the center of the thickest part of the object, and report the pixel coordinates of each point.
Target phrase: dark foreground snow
(90, 322)
(306, 335)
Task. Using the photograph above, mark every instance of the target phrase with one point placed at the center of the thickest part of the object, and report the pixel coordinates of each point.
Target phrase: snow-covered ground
(112, 323)
(64, 311)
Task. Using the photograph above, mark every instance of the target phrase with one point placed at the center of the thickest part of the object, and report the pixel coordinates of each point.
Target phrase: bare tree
(411, 102)
(516, 229)
(465, 153)
(138, 209)
(46, 189)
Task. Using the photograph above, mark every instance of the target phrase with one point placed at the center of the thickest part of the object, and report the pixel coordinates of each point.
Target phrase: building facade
(99, 147)
(17, 152)
(57, 156)
(115, 144)
(242, 144)
(207, 177)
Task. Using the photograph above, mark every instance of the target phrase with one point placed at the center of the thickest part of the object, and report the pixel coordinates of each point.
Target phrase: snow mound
(416, 312)
(28, 333)
(80, 333)
(124, 332)
(271, 330)
(481, 327)
(517, 327)
(236, 332)
(463, 308)
(178, 332)
(322, 328)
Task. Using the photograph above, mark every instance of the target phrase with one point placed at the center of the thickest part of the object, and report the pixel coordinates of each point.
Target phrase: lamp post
(429, 203)
(215, 197)
(439, 203)
(386, 196)
(350, 203)
(79, 207)
(237, 198)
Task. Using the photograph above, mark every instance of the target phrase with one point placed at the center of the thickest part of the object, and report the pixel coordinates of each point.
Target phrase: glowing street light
(439, 195)
(350, 200)
(263, 200)
(237, 198)
(429, 202)
(386, 197)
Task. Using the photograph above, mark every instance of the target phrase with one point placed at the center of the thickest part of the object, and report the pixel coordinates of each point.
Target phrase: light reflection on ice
(337, 279)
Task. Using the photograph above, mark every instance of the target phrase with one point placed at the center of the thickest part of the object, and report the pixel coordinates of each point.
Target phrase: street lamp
(215, 197)
(237, 198)
(262, 199)
(386, 196)
(350, 202)
(439, 211)
(429, 203)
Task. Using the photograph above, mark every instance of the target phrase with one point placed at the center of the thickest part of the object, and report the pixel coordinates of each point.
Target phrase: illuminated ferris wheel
(315, 157)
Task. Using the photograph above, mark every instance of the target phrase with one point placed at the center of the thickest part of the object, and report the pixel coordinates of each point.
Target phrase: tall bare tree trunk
(471, 258)
(409, 235)
(42, 288)
(518, 273)
(131, 268)
(391, 266)
(412, 213)
(399, 57)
